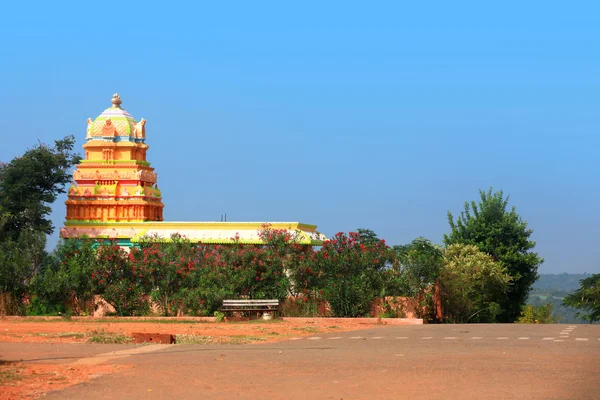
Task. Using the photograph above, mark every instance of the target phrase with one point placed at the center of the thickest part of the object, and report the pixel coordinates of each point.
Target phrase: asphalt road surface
(399, 362)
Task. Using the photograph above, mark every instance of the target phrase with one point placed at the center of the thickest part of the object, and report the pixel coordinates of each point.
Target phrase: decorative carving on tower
(115, 183)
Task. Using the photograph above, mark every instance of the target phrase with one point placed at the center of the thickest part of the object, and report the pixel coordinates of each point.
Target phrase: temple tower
(114, 183)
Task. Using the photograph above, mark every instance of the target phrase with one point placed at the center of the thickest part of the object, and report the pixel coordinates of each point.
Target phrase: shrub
(537, 314)
(349, 272)
(119, 283)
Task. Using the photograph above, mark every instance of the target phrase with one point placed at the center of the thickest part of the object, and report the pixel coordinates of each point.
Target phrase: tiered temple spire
(115, 183)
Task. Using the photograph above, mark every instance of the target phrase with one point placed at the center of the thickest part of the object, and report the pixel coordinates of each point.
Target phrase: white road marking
(565, 332)
(426, 337)
(356, 337)
(334, 338)
(558, 340)
(524, 338)
(450, 337)
(581, 338)
(476, 338)
(502, 338)
(548, 338)
(406, 337)
(377, 337)
(315, 338)
(295, 338)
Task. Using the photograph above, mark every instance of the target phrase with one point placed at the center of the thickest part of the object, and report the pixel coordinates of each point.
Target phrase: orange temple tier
(115, 192)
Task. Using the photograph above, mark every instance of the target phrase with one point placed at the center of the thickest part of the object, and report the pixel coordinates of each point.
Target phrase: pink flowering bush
(120, 282)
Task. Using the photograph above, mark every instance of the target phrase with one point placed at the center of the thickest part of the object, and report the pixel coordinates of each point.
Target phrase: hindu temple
(115, 194)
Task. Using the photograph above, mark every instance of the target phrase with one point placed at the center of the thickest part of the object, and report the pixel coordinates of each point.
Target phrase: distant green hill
(552, 288)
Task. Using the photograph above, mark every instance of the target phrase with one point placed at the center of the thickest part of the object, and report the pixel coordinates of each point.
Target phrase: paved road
(412, 362)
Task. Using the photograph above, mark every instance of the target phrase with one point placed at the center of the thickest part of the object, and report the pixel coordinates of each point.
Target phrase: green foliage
(417, 267)
(168, 266)
(537, 314)
(586, 298)
(41, 306)
(300, 307)
(501, 233)
(31, 182)
(471, 281)
(119, 283)
(553, 288)
(66, 278)
(28, 185)
(350, 273)
(219, 316)
(20, 258)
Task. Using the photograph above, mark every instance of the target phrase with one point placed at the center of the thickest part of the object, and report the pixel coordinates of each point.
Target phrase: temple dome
(115, 122)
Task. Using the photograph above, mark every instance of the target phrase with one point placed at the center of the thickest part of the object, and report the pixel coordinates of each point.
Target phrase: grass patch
(334, 327)
(258, 321)
(104, 337)
(118, 320)
(243, 339)
(204, 340)
(193, 339)
(310, 329)
(9, 375)
(74, 335)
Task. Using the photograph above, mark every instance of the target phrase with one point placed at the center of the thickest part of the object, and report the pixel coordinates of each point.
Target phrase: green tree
(20, 258)
(418, 265)
(28, 185)
(67, 277)
(31, 182)
(471, 282)
(501, 233)
(586, 298)
(367, 236)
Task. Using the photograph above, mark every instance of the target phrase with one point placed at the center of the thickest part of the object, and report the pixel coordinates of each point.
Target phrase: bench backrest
(250, 302)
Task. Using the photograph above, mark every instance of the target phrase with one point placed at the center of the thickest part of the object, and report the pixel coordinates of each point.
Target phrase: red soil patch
(29, 381)
(25, 381)
(80, 331)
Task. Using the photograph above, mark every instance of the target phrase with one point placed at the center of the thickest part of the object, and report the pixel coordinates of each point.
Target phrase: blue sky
(345, 115)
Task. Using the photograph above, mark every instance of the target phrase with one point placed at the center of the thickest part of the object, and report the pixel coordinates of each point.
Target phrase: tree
(367, 236)
(471, 282)
(418, 265)
(587, 298)
(31, 182)
(350, 273)
(501, 233)
(20, 258)
(67, 277)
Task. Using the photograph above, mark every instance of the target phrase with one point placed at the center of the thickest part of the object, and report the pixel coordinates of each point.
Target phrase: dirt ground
(34, 330)
(26, 381)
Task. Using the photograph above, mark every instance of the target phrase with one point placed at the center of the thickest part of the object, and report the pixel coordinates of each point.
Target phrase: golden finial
(116, 100)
